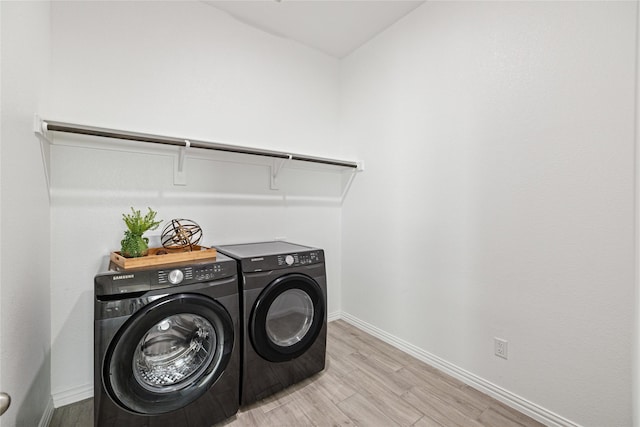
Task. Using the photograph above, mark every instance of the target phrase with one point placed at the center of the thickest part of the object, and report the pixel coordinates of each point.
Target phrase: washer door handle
(5, 402)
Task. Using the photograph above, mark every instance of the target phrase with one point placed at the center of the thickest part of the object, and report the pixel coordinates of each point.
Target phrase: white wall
(636, 345)
(183, 69)
(498, 140)
(24, 225)
(498, 197)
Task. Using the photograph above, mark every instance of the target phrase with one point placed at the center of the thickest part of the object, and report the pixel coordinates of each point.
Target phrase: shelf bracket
(347, 185)
(180, 169)
(275, 171)
(40, 130)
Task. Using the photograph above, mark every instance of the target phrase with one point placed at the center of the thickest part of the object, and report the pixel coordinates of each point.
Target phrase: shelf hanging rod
(53, 126)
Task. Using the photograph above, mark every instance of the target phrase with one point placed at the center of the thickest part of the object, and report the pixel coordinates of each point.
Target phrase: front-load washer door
(287, 317)
(168, 354)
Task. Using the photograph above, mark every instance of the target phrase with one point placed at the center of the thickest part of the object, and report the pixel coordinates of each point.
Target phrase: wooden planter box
(159, 256)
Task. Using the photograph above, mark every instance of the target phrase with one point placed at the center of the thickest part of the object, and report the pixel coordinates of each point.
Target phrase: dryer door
(287, 317)
(168, 354)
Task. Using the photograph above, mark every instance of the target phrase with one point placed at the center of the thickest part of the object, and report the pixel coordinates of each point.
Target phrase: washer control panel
(208, 272)
(176, 276)
(119, 282)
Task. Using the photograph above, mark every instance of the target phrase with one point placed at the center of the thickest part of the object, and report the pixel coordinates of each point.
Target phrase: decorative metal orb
(181, 234)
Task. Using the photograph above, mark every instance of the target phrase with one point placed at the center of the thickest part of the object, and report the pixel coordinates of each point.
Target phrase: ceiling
(332, 26)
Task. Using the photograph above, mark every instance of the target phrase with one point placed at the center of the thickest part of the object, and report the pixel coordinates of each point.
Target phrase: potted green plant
(133, 244)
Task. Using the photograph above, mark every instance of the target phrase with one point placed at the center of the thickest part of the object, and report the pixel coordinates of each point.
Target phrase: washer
(167, 349)
(284, 315)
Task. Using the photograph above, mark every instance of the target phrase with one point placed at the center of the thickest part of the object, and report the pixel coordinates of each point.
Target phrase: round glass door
(287, 317)
(173, 351)
(168, 354)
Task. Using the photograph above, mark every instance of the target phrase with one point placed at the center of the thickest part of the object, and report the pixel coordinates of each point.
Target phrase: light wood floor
(366, 383)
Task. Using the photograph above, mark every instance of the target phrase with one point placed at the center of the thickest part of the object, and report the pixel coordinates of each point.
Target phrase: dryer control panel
(299, 259)
(275, 255)
(275, 262)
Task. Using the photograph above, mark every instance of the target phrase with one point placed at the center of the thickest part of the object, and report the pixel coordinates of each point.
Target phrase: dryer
(166, 345)
(283, 289)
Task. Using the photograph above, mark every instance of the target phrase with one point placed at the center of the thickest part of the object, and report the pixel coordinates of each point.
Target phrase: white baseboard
(336, 315)
(48, 414)
(73, 395)
(505, 396)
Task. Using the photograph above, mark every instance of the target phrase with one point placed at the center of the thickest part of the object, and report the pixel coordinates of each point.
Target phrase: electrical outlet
(500, 347)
